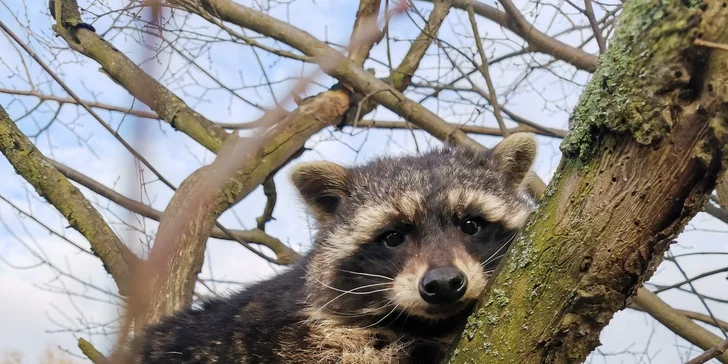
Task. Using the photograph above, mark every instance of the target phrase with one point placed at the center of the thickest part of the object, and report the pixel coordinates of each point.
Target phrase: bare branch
(714, 352)
(470, 129)
(676, 322)
(142, 86)
(251, 236)
(589, 12)
(706, 319)
(363, 37)
(690, 280)
(492, 97)
(86, 107)
(72, 101)
(537, 41)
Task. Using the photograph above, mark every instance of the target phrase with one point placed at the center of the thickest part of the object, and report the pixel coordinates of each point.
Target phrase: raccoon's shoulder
(244, 325)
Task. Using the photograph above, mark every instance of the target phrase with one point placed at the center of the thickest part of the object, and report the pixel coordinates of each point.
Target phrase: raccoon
(404, 247)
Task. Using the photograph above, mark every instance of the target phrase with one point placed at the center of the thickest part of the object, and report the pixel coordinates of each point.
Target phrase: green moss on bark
(657, 105)
(651, 53)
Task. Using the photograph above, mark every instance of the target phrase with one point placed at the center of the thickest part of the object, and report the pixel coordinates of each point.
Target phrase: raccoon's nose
(443, 285)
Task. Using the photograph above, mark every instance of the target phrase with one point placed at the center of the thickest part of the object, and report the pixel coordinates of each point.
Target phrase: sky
(33, 307)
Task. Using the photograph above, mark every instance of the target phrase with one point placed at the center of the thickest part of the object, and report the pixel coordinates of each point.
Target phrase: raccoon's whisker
(391, 300)
(398, 316)
(383, 318)
(493, 256)
(367, 274)
(492, 260)
(387, 303)
(352, 291)
(334, 288)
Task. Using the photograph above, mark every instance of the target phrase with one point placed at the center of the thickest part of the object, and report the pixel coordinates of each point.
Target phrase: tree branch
(714, 352)
(699, 276)
(365, 33)
(470, 129)
(269, 189)
(71, 101)
(589, 12)
(137, 82)
(91, 353)
(252, 236)
(537, 41)
(492, 96)
(50, 184)
(689, 314)
(677, 322)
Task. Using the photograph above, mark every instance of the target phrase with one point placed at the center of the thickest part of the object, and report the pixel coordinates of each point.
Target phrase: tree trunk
(647, 145)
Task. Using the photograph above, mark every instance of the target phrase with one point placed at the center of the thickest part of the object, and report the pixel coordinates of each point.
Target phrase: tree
(605, 224)
(639, 109)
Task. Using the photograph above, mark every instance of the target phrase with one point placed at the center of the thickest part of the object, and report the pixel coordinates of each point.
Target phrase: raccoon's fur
(404, 248)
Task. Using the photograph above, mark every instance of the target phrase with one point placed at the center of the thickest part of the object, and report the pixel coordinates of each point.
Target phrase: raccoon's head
(413, 235)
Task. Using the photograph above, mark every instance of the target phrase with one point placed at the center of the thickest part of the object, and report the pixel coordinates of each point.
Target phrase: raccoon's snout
(443, 285)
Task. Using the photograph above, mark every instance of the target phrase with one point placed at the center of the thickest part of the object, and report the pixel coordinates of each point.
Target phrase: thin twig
(689, 281)
(269, 189)
(486, 74)
(707, 43)
(84, 105)
(589, 12)
(714, 352)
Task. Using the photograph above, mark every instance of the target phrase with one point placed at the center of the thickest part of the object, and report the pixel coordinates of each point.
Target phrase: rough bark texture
(644, 154)
(50, 184)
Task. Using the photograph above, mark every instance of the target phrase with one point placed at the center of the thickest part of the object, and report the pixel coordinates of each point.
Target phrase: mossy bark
(50, 184)
(647, 145)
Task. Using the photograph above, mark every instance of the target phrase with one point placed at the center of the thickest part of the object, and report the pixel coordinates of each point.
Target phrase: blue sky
(29, 313)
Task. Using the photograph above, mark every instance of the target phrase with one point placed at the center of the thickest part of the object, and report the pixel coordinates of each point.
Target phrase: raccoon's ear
(515, 154)
(322, 185)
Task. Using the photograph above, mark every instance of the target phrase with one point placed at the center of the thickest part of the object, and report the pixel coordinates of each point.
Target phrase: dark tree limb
(269, 190)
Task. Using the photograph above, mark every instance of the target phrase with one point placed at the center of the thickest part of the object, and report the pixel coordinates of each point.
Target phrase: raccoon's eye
(392, 239)
(472, 225)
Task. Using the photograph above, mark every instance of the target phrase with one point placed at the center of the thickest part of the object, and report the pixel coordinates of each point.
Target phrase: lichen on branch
(651, 54)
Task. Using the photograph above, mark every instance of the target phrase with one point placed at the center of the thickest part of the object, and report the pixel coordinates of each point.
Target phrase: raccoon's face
(414, 236)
